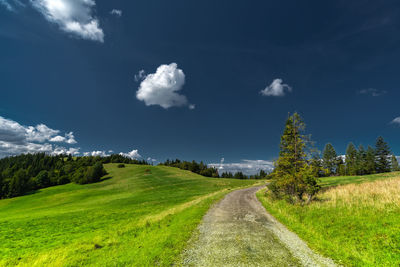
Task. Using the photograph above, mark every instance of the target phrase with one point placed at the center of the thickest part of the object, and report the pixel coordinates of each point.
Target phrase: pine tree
(293, 177)
(351, 158)
(318, 168)
(341, 167)
(370, 161)
(329, 158)
(382, 152)
(395, 164)
(361, 160)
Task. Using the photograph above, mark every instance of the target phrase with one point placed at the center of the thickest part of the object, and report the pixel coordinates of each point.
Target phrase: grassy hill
(138, 215)
(355, 223)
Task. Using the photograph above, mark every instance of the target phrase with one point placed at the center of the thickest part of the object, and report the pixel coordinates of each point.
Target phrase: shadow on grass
(104, 179)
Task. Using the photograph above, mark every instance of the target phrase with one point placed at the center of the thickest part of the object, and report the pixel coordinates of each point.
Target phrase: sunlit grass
(138, 217)
(355, 224)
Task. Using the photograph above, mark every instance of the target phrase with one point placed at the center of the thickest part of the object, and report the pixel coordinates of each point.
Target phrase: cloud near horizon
(276, 88)
(134, 154)
(248, 167)
(72, 16)
(19, 139)
(161, 88)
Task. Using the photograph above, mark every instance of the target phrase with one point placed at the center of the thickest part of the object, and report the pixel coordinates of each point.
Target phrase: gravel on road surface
(238, 231)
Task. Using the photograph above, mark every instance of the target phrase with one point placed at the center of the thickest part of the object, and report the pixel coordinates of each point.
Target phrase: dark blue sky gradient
(229, 51)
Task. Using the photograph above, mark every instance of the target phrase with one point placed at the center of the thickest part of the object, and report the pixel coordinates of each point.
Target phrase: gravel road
(239, 232)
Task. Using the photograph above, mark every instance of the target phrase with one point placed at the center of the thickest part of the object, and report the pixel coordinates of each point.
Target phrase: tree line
(25, 173)
(361, 161)
(202, 169)
(296, 172)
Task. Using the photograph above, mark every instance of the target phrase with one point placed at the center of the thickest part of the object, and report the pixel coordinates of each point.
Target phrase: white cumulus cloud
(96, 153)
(161, 88)
(134, 154)
(68, 138)
(18, 139)
(72, 16)
(276, 88)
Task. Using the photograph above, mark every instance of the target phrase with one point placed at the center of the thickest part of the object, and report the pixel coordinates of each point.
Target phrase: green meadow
(137, 215)
(342, 180)
(354, 220)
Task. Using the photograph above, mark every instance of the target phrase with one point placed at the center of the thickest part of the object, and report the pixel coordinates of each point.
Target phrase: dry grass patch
(377, 194)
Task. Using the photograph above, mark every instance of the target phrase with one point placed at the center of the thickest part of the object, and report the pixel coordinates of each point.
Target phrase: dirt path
(239, 232)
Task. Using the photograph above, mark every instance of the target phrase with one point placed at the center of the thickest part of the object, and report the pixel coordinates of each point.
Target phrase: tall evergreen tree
(329, 158)
(395, 164)
(361, 160)
(351, 160)
(382, 152)
(293, 177)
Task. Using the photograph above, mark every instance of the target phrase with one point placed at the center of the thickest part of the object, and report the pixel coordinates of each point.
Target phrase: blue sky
(196, 80)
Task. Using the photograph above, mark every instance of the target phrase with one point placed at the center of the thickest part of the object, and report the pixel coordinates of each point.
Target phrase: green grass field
(139, 216)
(342, 180)
(356, 223)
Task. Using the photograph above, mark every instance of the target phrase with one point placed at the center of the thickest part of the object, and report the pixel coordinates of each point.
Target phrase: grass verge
(354, 224)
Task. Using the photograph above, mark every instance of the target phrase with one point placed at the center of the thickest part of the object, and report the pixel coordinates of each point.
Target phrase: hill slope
(138, 215)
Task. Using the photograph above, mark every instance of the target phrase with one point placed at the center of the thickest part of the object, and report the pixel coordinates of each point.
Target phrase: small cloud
(161, 88)
(372, 92)
(134, 154)
(140, 76)
(66, 151)
(150, 159)
(69, 138)
(97, 153)
(276, 88)
(192, 106)
(396, 121)
(116, 12)
(73, 17)
(58, 138)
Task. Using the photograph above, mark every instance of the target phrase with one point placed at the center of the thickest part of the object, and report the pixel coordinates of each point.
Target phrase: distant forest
(22, 174)
(204, 170)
